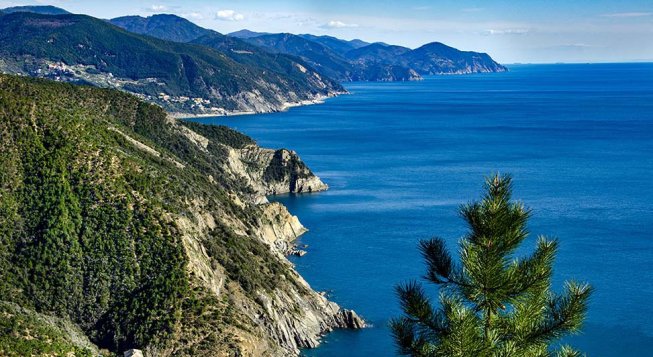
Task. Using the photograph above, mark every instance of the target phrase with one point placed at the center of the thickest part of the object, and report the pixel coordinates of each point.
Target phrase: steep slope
(162, 26)
(360, 61)
(179, 77)
(432, 58)
(317, 55)
(438, 58)
(175, 28)
(379, 61)
(376, 52)
(291, 67)
(335, 44)
(331, 63)
(342, 60)
(44, 10)
(146, 232)
(27, 333)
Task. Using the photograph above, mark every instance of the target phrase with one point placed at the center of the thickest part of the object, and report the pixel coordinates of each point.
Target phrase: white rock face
(272, 172)
(133, 353)
(292, 316)
(281, 229)
(303, 328)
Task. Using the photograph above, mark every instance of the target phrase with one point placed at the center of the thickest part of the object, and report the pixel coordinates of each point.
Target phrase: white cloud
(334, 24)
(628, 14)
(193, 15)
(229, 15)
(493, 32)
(157, 9)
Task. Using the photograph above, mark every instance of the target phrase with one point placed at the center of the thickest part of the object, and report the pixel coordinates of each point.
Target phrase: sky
(516, 31)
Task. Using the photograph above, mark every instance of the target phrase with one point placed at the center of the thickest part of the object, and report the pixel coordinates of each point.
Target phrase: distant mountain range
(336, 44)
(357, 60)
(124, 230)
(185, 68)
(343, 60)
(178, 76)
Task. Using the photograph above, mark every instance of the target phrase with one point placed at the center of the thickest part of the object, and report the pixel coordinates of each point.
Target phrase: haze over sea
(401, 157)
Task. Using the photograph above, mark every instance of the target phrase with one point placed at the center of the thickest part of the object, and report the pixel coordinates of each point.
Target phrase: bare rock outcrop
(298, 320)
(272, 172)
(292, 316)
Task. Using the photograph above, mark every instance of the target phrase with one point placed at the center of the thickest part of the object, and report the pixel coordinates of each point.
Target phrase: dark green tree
(492, 302)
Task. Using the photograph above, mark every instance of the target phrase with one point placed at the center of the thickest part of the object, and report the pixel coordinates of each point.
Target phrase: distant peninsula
(190, 70)
(357, 60)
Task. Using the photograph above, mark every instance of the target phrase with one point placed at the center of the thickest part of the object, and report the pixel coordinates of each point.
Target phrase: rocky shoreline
(317, 99)
(294, 318)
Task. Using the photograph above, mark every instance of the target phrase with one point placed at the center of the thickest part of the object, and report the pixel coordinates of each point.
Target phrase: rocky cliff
(144, 232)
(272, 172)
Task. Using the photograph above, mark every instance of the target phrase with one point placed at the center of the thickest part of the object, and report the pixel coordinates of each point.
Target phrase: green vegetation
(163, 26)
(100, 53)
(45, 10)
(79, 240)
(243, 261)
(492, 302)
(221, 134)
(174, 28)
(294, 68)
(89, 220)
(317, 55)
(437, 58)
(360, 61)
(24, 333)
(281, 169)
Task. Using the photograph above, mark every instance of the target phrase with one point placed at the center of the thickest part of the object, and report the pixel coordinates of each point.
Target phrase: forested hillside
(144, 232)
(360, 61)
(343, 60)
(180, 77)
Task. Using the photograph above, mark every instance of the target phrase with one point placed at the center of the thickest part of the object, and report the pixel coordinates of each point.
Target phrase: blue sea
(401, 158)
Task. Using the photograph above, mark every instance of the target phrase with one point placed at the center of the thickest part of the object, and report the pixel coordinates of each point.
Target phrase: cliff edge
(144, 232)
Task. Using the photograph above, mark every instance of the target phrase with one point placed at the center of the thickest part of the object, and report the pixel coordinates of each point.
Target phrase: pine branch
(499, 187)
(406, 338)
(438, 261)
(567, 351)
(414, 302)
(565, 313)
(421, 326)
(533, 272)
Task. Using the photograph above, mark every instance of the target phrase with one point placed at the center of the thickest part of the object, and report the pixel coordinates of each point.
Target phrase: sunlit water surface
(401, 157)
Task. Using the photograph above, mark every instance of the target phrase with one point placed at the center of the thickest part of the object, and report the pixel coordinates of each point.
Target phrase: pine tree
(492, 302)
